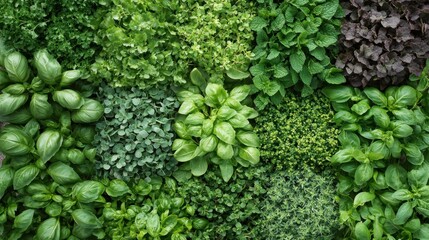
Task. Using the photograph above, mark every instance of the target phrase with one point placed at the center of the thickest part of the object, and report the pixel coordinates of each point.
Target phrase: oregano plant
(213, 127)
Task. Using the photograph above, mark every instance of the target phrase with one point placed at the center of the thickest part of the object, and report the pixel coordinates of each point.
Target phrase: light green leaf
(185, 152)
(237, 74)
(329, 8)
(225, 151)
(63, 174)
(198, 166)
(258, 23)
(404, 213)
(117, 188)
(226, 170)
(361, 107)
(153, 224)
(297, 60)
(364, 173)
(48, 144)
(197, 78)
(49, 229)
(225, 132)
(362, 232)
(24, 176)
(240, 93)
(250, 154)
(363, 197)
(86, 219)
(339, 94)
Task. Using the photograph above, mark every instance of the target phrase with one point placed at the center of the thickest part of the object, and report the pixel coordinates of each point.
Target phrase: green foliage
(215, 35)
(299, 205)
(46, 154)
(135, 138)
(64, 27)
(150, 42)
(293, 43)
(232, 208)
(384, 174)
(213, 126)
(298, 133)
(149, 210)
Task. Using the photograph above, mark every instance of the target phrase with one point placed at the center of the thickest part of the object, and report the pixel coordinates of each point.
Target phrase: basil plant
(213, 127)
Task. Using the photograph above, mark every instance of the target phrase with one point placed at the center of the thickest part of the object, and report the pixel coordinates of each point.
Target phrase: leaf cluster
(383, 42)
(215, 35)
(135, 137)
(64, 28)
(231, 209)
(213, 127)
(298, 133)
(299, 205)
(294, 39)
(382, 161)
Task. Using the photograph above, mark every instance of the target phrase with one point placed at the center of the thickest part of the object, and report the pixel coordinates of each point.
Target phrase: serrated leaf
(297, 60)
(258, 23)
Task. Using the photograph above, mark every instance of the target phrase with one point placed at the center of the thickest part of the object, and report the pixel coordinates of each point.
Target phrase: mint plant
(294, 39)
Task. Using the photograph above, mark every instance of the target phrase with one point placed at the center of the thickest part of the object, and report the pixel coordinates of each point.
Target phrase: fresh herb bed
(221, 119)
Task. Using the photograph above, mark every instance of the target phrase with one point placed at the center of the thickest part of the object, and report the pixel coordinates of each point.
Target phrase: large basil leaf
(422, 233)
(215, 95)
(376, 96)
(40, 108)
(88, 191)
(339, 94)
(63, 174)
(404, 213)
(49, 229)
(226, 170)
(6, 178)
(361, 198)
(208, 144)
(21, 116)
(10, 103)
(419, 177)
(153, 224)
(250, 154)
(15, 142)
(240, 93)
(362, 232)
(405, 96)
(168, 225)
(414, 155)
(69, 99)
(224, 150)
(86, 219)
(24, 220)
(198, 166)
(48, 68)
(396, 176)
(24, 176)
(48, 144)
(17, 67)
(197, 78)
(363, 173)
(91, 111)
(69, 77)
(117, 188)
(381, 118)
(185, 152)
(249, 139)
(225, 132)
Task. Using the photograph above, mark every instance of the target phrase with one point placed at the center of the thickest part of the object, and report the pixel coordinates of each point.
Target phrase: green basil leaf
(362, 232)
(21, 116)
(15, 142)
(24, 220)
(15, 89)
(225, 132)
(49, 229)
(24, 176)
(69, 77)
(153, 225)
(418, 177)
(250, 139)
(54, 209)
(224, 150)
(414, 154)
(48, 68)
(91, 111)
(198, 166)
(361, 107)
(405, 96)
(48, 144)
(343, 156)
(185, 152)
(117, 188)
(86, 219)
(402, 195)
(376, 96)
(225, 113)
(248, 112)
(363, 197)
(62, 173)
(168, 225)
(11, 103)
(196, 118)
(187, 107)
(338, 94)
(396, 176)
(237, 74)
(215, 95)
(381, 117)
(226, 171)
(69, 99)
(422, 233)
(401, 130)
(349, 139)
(413, 225)
(208, 126)
(40, 108)
(404, 213)
(250, 154)
(6, 179)
(209, 144)
(87, 191)
(364, 173)
(17, 68)
(405, 115)
(345, 116)
(197, 78)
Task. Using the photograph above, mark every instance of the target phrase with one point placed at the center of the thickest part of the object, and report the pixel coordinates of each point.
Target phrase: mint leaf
(297, 60)
(329, 9)
(258, 23)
